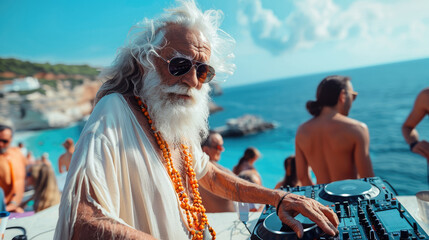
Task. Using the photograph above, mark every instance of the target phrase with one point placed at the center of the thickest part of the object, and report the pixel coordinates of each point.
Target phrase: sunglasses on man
(218, 147)
(4, 141)
(179, 66)
(354, 95)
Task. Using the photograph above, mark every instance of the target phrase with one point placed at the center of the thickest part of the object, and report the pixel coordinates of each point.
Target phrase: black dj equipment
(367, 209)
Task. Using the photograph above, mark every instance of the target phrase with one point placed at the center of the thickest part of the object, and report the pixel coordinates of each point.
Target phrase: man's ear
(342, 96)
(204, 148)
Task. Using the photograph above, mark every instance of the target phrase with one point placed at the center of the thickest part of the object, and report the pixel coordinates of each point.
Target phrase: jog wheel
(348, 190)
(273, 229)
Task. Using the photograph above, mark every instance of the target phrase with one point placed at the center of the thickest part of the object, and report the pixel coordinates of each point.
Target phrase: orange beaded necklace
(194, 222)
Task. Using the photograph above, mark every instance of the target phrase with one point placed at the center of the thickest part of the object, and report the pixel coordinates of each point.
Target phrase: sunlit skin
(65, 158)
(212, 202)
(11, 156)
(419, 111)
(334, 145)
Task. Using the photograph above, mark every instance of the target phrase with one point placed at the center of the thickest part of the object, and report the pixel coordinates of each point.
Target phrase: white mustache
(180, 89)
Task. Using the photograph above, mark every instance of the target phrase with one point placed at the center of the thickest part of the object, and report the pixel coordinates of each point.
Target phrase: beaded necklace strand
(196, 224)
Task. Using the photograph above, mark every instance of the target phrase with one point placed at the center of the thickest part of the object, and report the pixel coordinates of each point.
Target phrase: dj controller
(367, 209)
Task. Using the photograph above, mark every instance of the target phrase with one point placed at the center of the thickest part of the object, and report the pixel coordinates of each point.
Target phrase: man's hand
(422, 148)
(323, 216)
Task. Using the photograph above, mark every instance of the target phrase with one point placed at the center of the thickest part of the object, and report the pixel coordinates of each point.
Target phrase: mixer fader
(367, 209)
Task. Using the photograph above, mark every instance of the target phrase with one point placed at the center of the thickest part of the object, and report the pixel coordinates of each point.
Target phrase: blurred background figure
(65, 158)
(22, 148)
(291, 178)
(46, 194)
(246, 162)
(12, 169)
(333, 145)
(30, 158)
(213, 147)
(419, 111)
(253, 177)
(250, 176)
(45, 159)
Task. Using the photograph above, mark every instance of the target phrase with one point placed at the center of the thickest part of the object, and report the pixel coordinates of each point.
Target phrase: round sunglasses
(178, 66)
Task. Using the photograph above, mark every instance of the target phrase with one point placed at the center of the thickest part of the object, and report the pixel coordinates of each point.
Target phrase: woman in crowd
(246, 163)
(290, 178)
(46, 194)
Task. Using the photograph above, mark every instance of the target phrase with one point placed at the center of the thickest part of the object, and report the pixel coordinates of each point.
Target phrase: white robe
(114, 156)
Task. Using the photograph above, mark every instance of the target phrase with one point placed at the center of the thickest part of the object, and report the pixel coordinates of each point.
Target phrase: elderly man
(335, 146)
(213, 147)
(12, 169)
(420, 109)
(138, 163)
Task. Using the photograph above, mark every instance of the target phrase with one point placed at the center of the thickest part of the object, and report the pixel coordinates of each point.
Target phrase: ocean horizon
(386, 96)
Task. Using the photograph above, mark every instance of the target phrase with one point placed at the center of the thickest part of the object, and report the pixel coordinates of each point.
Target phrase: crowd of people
(20, 173)
(147, 166)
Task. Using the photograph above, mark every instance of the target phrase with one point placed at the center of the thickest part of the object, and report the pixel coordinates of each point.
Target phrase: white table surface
(227, 226)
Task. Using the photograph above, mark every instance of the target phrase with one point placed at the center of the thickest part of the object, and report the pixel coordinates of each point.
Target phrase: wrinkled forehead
(187, 41)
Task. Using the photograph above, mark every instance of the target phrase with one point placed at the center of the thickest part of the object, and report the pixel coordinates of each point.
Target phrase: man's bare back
(64, 162)
(12, 182)
(335, 146)
(65, 158)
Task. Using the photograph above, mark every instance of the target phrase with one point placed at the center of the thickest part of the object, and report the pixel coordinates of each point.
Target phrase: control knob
(404, 234)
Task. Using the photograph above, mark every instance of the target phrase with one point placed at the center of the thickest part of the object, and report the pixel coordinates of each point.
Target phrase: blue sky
(275, 38)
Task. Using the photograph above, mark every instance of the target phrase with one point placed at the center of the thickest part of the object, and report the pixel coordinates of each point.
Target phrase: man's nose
(191, 79)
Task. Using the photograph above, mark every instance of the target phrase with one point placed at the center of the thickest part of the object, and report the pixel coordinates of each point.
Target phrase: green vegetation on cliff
(26, 68)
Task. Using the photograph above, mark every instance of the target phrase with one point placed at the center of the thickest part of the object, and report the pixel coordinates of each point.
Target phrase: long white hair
(127, 73)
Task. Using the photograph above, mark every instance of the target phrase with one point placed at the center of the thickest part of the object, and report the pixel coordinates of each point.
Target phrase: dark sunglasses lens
(4, 141)
(205, 73)
(179, 66)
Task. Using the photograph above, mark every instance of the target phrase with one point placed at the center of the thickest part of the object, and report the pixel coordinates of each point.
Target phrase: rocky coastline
(56, 108)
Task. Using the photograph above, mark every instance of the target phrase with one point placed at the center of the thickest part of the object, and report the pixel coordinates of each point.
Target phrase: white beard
(180, 121)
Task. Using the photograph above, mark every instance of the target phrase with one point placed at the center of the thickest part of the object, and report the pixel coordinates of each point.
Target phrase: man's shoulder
(61, 157)
(423, 99)
(306, 125)
(111, 100)
(111, 108)
(356, 123)
(15, 151)
(425, 91)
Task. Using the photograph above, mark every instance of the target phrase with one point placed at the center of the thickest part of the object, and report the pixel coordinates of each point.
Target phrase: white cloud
(364, 23)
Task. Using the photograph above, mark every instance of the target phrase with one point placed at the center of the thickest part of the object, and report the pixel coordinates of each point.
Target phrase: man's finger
(317, 218)
(294, 224)
(318, 209)
(329, 213)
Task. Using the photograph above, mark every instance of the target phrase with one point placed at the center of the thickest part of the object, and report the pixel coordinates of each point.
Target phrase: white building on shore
(22, 84)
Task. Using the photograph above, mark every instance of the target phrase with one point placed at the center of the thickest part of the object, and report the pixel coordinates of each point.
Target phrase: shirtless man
(420, 109)
(213, 147)
(65, 158)
(335, 146)
(12, 170)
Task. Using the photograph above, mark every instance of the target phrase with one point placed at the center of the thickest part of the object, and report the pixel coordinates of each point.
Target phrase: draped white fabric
(131, 185)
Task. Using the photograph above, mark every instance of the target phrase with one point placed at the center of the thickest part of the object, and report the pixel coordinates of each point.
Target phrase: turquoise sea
(386, 95)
